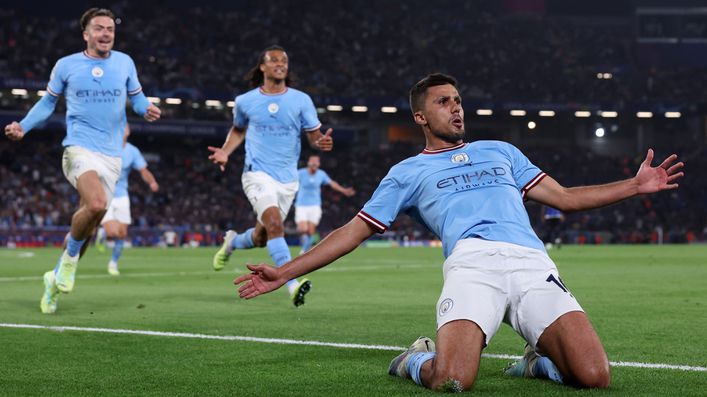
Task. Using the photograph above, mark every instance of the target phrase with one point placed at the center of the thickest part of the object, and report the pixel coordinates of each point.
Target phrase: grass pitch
(648, 304)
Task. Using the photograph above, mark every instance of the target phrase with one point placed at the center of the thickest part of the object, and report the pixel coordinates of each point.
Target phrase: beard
(449, 136)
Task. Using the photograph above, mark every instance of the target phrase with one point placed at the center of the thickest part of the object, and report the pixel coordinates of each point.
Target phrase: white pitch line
(100, 276)
(309, 343)
(234, 272)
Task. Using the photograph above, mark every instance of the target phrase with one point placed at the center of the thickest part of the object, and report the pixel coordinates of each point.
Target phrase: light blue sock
(280, 254)
(73, 247)
(117, 250)
(243, 240)
(546, 369)
(414, 364)
(306, 242)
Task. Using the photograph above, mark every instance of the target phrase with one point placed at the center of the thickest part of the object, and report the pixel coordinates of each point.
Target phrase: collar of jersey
(447, 149)
(85, 53)
(271, 94)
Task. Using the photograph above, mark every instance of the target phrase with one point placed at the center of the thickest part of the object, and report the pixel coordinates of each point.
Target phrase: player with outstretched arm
(496, 269)
(96, 84)
(270, 118)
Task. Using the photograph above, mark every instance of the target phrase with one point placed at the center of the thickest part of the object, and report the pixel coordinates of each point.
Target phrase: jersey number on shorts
(551, 279)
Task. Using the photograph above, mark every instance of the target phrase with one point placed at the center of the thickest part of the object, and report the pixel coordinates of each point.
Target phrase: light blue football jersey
(473, 190)
(274, 124)
(132, 160)
(310, 187)
(96, 91)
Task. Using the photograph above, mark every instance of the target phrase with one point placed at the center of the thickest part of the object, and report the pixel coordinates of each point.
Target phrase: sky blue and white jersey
(310, 187)
(96, 91)
(274, 124)
(132, 160)
(472, 190)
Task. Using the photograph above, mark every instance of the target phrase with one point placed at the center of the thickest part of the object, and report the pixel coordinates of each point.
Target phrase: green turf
(648, 304)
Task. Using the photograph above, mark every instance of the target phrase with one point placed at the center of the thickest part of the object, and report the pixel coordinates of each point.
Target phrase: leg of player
(233, 241)
(305, 236)
(311, 229)
(101, 239)
(454, 364)
(83, 223)
(280, 252)
(574, 346)
(118, 231)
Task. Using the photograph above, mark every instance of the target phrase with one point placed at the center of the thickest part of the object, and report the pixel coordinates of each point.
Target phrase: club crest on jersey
(445, 306)
(273, 108)
(97, 71)
(460, 158)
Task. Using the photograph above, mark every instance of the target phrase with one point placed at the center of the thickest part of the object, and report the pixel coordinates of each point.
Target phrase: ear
(262, 67)
(85, 36)
(419, 118)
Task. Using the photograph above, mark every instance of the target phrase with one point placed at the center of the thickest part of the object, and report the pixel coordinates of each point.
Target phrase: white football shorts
(263, 192)
(488, 282)
(308, 213)
(78, 160)
(118, 210)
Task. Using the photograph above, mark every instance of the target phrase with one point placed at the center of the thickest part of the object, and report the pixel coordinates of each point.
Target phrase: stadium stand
(337, 56)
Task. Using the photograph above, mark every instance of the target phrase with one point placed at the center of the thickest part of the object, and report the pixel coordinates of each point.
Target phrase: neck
(436, 143)
(271, 86)
(95, 54)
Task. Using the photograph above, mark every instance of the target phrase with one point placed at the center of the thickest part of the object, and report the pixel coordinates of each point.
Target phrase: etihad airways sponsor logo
(472, 179)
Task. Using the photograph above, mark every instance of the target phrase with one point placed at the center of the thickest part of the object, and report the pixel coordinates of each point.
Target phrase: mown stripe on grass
(309, 343)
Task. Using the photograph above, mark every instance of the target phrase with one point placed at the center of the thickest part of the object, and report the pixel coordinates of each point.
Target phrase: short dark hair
(95, 12)
(418, 92)
(255, 76)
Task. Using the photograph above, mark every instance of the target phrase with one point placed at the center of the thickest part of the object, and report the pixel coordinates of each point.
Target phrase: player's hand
(261, 280)
(218, 157)
(154, 186)
(325, 142)
(349, 191)
(663, 177)
(14, 131)
(153, 113)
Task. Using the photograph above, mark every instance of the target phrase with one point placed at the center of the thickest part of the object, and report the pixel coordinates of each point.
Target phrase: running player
(496, 268)
(96, 84)
(117, 219)
(553, 218)
(308, 203)
(270, 118)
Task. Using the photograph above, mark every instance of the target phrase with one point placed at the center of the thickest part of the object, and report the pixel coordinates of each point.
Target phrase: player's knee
(595, 376)
(453, 380)
(96, 205)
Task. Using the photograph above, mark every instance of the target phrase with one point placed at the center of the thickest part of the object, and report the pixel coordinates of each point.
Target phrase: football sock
(243, 240)
(414, 364)
(306, 240)
(280, 254)
(117, 250)
(73, 247)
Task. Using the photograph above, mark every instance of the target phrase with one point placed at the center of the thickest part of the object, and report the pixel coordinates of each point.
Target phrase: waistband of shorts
(484, 245)
(75, 148)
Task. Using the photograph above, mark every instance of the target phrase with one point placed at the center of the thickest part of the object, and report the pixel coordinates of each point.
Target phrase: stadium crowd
(345, 50)
(198, 202)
